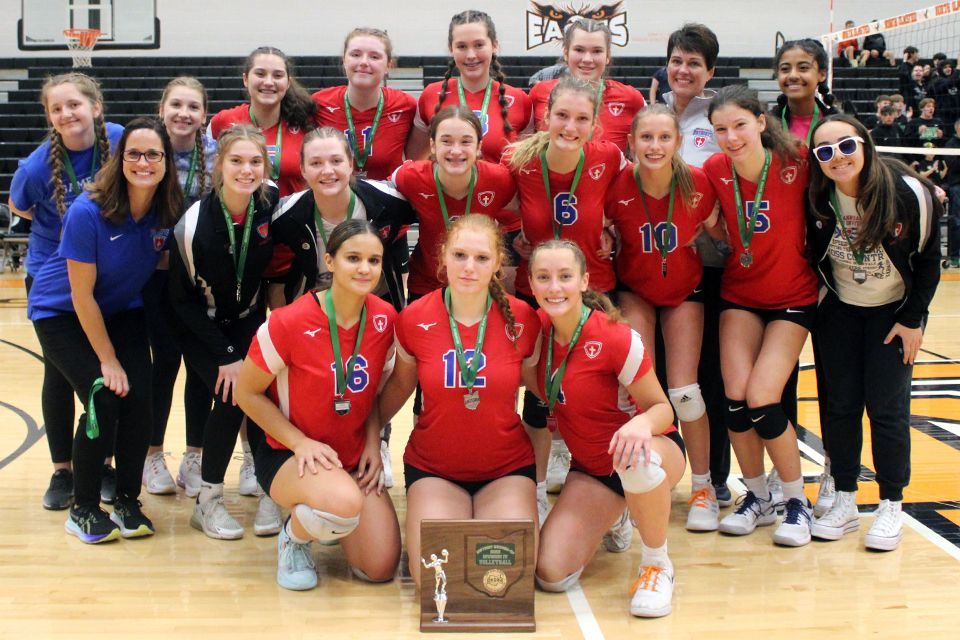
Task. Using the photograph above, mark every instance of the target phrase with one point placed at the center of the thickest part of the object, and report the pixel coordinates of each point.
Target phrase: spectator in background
(945, 89)
(887, 132)
(848, 50)
(926, 127)
(659, 85)
(930, 166)
(952, 186)
(938, 59)
(911, 56)
(549, 73)
(898, 103)
(914, 91)
(874, 52)
(872, 120)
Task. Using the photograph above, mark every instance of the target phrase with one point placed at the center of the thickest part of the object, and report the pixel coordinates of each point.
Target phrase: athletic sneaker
(295, 568)
(840, 519)
(558, 465)
(128, 516)
(91, 524)
(268, 521)
(652, 593)
(704, 511)
(722, 491)
(825, 495)
(775, 487)
(543, 507)
(887, 528)
(156, 476)
(215, 521)
(387, 467)
(248, 476)
(108, 485)
(189, 475)
(618, 538)
(59, 495)
(751, 512)
(794, 531)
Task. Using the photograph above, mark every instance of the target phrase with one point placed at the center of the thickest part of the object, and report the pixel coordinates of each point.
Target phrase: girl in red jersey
(375, 118)
(310, 380)
(601, 389)
(468, 456)
(659, 207)
(454, 184)
(769, 295)
(586, 50)
(472, 40)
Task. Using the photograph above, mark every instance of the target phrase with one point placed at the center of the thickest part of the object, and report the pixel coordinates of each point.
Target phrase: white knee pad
(644, 477)
(324, 526)
(560, 586)
(688, 402)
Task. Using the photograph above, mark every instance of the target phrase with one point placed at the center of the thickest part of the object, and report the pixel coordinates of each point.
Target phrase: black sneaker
(108, 485)
(127, 515)
(91, 524)
(59, 495)
(724, 497)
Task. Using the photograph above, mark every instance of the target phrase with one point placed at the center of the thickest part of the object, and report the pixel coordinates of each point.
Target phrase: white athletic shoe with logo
(295, 568)
(775, 487)
(543, 507)
(387, 467)
(751, 512)
(248, 476)
(558, 465)
(268, 520)
(156, 477)
(189, 475)
(842, 518)
(704, 514)
(794, 531)
(215, 521)
(620, 535)
(825, 495)
(887, 529)
(652, 593)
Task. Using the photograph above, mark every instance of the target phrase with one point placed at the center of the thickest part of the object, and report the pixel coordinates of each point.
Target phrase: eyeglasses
(846, 147)
(153, 156)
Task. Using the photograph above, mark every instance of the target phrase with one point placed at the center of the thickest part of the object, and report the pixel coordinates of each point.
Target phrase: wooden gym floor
(181, 584)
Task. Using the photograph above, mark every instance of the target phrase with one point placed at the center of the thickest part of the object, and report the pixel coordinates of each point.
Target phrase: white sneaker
(215, 521)
(248, 476)
(794, 531)
(618, 538)
(156, 477)
(387, 468)
(268, 520)
(652, 593)
(751, 512)
(825, 496)
(558, 465)
(543, 507)
(775, 487)
(887, 528)
(840, 519)
(295, 568)
(189, 475)
(704, 511)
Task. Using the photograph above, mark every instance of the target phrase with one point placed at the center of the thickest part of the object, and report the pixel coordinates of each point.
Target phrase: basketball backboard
(124, 24)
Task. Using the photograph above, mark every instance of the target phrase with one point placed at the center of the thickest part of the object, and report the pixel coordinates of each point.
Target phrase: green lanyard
(93, 427)
(351, 209)
(857, 255)
(551, 378)
(341, 369)
(468, 372)
(241, 262)
(278, 145)
(68, 165)
(813, 122)
(545, 170)
(483, 106)
(600, 90)
(360, 157)
(747, 225)
(657, 240)
(194, 158)
(440, 196)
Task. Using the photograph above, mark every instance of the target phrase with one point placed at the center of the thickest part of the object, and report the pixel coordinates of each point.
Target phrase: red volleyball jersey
(593, 401)
(580, 217)
(449, 439)
(493, 190)
(619, 104)
(780, 275)
(495, 139)
(399, 109)
(294, 345)
(638, 261)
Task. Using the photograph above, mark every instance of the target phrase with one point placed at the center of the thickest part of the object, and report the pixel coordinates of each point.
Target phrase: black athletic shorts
(802, 315)
(268, 461)
(612, 481)
(411, 474)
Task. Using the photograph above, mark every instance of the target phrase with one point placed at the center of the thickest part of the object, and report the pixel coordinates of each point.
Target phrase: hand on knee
(645, 477)
(769, 421)
(324, 526)
(688, 402)
(561, 585)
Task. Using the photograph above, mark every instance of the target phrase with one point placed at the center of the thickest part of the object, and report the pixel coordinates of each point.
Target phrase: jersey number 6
(565, 208)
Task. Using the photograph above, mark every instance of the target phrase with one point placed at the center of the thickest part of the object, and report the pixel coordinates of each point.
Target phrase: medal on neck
(468, 370)
(340, 369)
(748, 224)
(239, 262)
(360, 156)
(483, 107)
(545, 170)
(661, 242)
(859, 273)
(552, 379)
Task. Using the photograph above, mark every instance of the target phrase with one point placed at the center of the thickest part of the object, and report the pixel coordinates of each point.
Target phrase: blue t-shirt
(183, 170)
(125, 254)
(32, 187)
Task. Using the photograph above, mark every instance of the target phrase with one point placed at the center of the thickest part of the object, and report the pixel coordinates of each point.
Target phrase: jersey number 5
(358, 379)
(451, 375)
(761, 222)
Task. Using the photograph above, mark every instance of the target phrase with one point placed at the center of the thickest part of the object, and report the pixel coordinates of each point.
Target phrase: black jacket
(914, 249)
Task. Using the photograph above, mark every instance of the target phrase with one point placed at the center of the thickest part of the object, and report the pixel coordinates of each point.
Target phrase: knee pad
(768, 421)
(688, 402)
(561, 585)
(363, 576)
(644, 477)
(534, 411)
(324, 526)
(736, 418)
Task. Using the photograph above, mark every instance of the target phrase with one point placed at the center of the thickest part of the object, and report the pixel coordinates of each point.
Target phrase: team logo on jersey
(597, 170)
(788, 174)
(526, 171)
(592, 348)
(426, 196)
(380, 322)
(615, 108)
(426, 325)
(395, 116)
(695, 199)
(160, 239)
(726, 180)
(486, 197)
(701, 136)
(509, 100)
(547, 22)
(263, 230)
(313, 332)
(517, 331)
(385, 232)
(626, 202)
(330, 108)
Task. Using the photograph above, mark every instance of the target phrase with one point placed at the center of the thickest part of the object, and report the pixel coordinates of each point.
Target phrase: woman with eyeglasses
(875, 236)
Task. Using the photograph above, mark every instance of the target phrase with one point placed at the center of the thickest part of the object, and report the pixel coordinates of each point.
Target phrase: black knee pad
(736, 417)
(534, 411)
(768, 421)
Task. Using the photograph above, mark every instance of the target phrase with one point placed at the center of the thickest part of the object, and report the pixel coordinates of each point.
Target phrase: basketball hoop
(81, 43)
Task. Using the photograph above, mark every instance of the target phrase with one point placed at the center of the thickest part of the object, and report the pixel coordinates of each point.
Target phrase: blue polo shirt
(32, 187)
(125, 254)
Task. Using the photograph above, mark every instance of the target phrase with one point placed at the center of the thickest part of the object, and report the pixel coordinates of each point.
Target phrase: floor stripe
(928, 533)
(589, 626)
(946, 426)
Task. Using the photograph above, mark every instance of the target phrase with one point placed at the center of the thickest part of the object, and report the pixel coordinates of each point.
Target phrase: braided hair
(192, 83)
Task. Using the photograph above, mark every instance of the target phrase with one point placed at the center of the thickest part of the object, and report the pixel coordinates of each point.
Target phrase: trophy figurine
(440, 578)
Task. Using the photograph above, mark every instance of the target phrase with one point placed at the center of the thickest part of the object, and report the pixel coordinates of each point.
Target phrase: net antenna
(81, 42)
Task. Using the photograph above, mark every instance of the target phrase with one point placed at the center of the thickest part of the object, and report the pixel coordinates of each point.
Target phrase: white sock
(793, 489)
(209, 492)
(758, 486)
(655, 556)
(288, 528)
(542, 490)
(700, 480)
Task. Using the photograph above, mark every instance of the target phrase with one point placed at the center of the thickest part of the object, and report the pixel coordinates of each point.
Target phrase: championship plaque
(476, 575)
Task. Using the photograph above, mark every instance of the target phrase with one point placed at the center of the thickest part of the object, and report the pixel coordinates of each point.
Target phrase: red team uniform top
(780, 275)
(449, 439)
(638, 259)
(294, 345)
(493, 190)
(581, 221)
(619, 104)
(399, 109)
(494, 140)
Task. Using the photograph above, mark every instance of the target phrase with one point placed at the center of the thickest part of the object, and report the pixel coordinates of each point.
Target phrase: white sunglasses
(846, 147)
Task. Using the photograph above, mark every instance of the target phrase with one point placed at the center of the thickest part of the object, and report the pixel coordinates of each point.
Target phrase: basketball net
(80, 42)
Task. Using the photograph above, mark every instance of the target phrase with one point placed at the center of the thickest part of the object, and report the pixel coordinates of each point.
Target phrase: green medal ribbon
(241, 262)
(341, 369)
(483, 106)
(194, 158)
(360, 157)
(657, 240)
(93, 427)
(318, 219)
(747, 224)
(813, 122)
(68, 165)
(545, 170)
(468, 372)
(278, 145)
(857, 255)
(551, 378)
(440, 195)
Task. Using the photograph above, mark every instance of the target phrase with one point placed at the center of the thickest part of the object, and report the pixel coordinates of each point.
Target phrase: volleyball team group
(545, 260)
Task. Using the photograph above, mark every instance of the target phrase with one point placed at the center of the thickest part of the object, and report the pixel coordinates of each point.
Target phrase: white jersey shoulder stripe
(286, 203)
(924, 205)
(274, 362)
(386, 187)
(633, 361)
(184, 233)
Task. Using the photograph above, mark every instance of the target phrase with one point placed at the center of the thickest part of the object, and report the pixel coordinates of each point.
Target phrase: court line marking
(589, 626)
